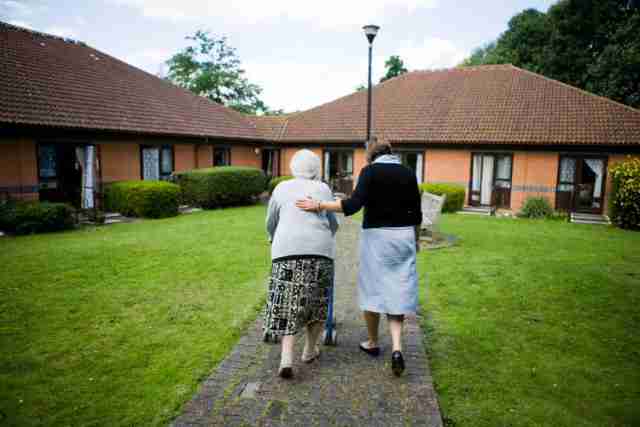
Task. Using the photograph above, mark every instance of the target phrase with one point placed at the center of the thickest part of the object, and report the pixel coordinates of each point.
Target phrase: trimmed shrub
(624, 205)
(147, 199)
(536, 207)
(221, 186)
(277, 180)
(455, 195)
(36, 217)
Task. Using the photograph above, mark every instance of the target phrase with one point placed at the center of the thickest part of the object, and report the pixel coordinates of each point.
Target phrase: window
(221, 156)
(157, 162)
(47, 161)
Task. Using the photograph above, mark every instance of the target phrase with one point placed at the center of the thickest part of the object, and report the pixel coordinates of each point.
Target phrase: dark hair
(377, 149)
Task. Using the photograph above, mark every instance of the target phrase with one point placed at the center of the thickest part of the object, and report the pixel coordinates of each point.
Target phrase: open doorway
(491, 176)
(581, 183)
(59, 174)
(338, 170)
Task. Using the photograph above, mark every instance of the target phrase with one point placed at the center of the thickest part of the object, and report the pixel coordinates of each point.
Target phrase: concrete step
(585, 218)
(473, 210)
(581, 221)
(188, 209)
(112, 221)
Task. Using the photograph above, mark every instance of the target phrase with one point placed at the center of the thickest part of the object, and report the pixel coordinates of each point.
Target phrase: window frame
(162, 176)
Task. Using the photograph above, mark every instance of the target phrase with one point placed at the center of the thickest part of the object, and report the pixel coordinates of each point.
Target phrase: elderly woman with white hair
(302, 253)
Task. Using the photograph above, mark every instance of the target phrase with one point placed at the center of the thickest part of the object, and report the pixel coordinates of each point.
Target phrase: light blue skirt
(387, 280)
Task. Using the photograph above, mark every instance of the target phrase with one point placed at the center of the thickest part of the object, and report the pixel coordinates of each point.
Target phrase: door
(338, 170)
(271, 162)
(491, 176)
(59, 174)
(413, 160)
(581, 183)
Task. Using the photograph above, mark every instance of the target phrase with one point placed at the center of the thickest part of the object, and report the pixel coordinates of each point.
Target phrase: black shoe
(373, 351)
(285, 372)
(397, 363)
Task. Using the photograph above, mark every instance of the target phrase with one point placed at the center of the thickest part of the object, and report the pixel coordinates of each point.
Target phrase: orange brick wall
(359, 162)
(120, 161)
(204, 156)
(19, 168)
(184, 157)
(447, 166)
(244, 155)
(534, 175)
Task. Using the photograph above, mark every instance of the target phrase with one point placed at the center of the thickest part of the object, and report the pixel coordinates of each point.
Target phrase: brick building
(502, 132)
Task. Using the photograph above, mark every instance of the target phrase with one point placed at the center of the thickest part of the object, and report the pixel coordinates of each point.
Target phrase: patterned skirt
(299, 291)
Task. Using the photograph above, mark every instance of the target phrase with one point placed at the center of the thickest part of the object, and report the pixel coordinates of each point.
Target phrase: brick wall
(120, 161)
(19, 168)
(204, 156)
(244, 155)
(535, 174)
(184, 157)
(447, 166)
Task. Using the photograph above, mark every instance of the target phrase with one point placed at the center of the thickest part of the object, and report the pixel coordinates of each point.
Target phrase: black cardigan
(390, 196)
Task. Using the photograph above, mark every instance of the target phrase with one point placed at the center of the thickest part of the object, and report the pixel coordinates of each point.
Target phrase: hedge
(36, 217)
(455, 195)
(147, 199)
(536, 207)
(624, 205)
(221, 186)
(275, 181)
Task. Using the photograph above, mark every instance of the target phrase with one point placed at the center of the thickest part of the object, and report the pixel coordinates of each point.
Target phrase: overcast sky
(302, 53)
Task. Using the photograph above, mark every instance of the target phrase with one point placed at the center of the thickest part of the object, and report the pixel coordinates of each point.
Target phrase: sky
(302, 53)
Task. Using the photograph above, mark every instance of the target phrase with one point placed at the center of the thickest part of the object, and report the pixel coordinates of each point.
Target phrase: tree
(209, 67)
(522, 44)
(482, 55)
(394, 66)
(360, 87)
(615, 72)
(590, 44)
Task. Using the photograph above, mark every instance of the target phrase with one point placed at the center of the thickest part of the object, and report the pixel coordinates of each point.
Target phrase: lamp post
(370, 31)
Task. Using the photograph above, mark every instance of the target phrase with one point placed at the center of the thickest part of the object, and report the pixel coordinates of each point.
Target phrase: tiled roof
(47, 80)
(270, 127)
(498, 104)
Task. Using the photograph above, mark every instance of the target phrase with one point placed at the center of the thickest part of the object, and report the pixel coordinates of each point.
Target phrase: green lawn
(116, 325)
(534, 323)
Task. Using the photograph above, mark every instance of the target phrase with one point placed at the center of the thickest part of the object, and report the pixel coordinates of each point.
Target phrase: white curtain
(151, 163)
(326, 167)
(596, 166)
(487, 180)
(477, 172)
(85, 155)
(503, 168)
(88, 177)
(419, 168)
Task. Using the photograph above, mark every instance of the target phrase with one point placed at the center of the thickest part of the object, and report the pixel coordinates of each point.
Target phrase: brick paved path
(344, 388)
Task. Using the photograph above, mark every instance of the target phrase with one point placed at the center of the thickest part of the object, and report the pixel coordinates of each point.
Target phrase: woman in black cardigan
(387, 279)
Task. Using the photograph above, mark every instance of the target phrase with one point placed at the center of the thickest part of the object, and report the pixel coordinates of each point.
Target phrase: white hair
(305, 164)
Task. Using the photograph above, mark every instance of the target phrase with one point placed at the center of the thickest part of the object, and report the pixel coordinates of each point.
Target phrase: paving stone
(344, 387)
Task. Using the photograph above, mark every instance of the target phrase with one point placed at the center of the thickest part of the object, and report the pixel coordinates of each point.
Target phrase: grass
(116, 325)
(534, 323)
